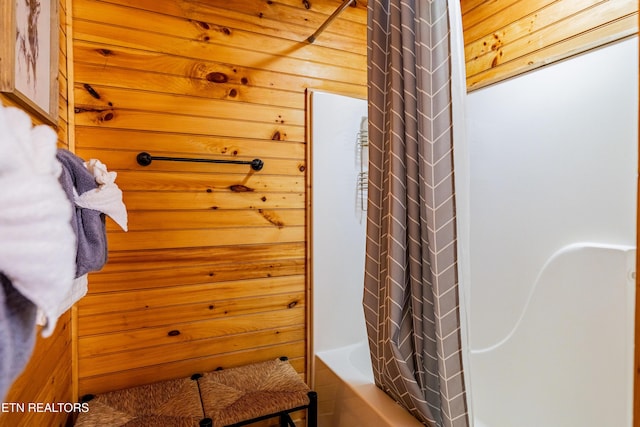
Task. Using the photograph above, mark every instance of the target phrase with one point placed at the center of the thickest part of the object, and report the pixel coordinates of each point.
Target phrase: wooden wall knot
(91, 91)
(104, 113)
(239, 188)
(81, 109)
(202, 24)
(271, 217)
(217, 77)
(498, 42)
(496, 60)
(106, 116)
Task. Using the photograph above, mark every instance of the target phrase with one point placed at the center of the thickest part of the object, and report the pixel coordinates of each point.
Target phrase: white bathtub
(568, 361)
(347, 395)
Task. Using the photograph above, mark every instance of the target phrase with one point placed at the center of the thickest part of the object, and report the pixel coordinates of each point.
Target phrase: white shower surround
(553, 160)
(519, 262)
(343, 377)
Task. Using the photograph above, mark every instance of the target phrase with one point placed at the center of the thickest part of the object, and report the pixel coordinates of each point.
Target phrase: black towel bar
(145, 159)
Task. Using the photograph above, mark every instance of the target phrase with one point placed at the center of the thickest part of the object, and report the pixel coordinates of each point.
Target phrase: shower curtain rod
(326, 23)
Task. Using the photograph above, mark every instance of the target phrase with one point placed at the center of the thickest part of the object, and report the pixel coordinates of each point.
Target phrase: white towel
(79, 288)
(107, 198)
(37, 243)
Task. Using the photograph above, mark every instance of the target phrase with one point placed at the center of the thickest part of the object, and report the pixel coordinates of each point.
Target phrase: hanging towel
(37, 243)
(107, 198)
(92, 189)
(88, 224)
(79, 288)
(17, 333)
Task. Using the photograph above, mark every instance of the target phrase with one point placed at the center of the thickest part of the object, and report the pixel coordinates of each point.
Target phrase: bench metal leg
(312, 410)
(286, 421)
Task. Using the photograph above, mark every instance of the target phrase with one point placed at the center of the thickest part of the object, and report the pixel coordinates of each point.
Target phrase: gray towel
(17, 333)
(88, 224)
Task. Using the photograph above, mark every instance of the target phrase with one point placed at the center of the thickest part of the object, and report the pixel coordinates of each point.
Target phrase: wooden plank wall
(504, 38)
(48, 376)
(212, 272)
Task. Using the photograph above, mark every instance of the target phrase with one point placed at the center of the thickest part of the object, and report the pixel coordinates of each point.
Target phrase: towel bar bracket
(145, 159)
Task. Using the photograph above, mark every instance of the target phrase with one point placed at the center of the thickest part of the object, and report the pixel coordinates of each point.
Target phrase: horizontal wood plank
(139, 39)
(485, 10)
(138, 200)
(145, 299)
(93, 141)
(257, 17)
(193, 238)
(466, 6)
(97, 54)
(150, 81)
(199, 274)
(214, 33)
(504, 38)
(519, 23)
(103, 323)
(187, 181)
(215, 255)
(174, 220)
(187, 367)
(582, 22)
(589, 40)
(116, 98)
(158, 355)
(177, 332)
(160, 122)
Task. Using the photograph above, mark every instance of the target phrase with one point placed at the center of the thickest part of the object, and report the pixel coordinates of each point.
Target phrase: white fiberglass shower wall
(339, 220)
(547, 204)
(343, 376)
(553, 165)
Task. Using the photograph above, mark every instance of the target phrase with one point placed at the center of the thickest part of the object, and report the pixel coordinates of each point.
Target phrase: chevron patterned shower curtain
(411, 299)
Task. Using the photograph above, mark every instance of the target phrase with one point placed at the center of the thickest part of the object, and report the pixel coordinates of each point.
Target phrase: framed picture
(29, 55)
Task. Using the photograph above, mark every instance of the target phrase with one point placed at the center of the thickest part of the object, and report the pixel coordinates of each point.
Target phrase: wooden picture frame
(29, 42)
